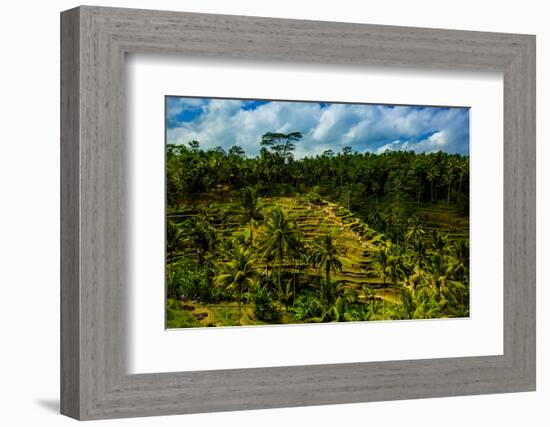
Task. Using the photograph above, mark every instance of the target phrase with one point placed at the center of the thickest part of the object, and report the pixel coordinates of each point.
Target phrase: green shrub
(313, 196)
(308, 308)
(264, 307)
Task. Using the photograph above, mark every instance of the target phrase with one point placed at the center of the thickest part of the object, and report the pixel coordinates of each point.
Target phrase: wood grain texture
(94, 272)
(70, 314)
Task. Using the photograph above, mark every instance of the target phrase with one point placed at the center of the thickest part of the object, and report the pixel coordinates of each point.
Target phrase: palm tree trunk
(239, 304)
(170, 274)
(294, 285)
(280, 271)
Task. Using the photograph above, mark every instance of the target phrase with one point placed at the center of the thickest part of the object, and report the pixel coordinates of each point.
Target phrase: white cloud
(374, 128)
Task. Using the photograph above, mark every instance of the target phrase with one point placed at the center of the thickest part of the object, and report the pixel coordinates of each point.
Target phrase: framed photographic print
(350, 209)
(311, 212)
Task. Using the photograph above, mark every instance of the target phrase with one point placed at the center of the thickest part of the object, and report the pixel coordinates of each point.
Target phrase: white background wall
(29, 212)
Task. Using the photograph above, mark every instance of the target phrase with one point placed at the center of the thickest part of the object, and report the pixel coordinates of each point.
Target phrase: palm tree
(452, 166)
(251, 210)
(439, 242)
(461, 261)
(438, 272)
(381, 262)
(284, 291)
(201, 235)
(370, 295)
(297, 258)
(462, 167)
(326, 256)
(431, 176)
(174, 239)
(282, 237)
(395, 268)
(415, 231)
(456, 299)
(237, 274)
(331, 301)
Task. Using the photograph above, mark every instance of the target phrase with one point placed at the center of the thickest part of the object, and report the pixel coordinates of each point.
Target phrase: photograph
(293, 212)
(275, 213)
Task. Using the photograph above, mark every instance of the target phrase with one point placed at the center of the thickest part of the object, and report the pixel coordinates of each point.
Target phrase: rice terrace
(284, 212)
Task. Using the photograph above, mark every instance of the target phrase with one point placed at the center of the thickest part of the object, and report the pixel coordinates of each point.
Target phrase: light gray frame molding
(94, 41)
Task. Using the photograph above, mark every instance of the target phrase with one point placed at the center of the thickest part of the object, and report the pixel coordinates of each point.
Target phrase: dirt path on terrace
(333, 217)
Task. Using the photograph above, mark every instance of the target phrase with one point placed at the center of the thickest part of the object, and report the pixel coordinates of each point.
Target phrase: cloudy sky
(366, 128)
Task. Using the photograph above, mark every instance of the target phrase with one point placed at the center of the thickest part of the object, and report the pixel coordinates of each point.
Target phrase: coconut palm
(395, 268)
(332, 302)
(415, 231)
(201, 235)
(251, 210)
(431, 176)
(461, 259)
(452, 166)
(381, 262)
(284, 291)
(462, 168)
(174, 238)
(370, 295)
(281, 237)
(297, 258)
(457, 299)
(326, 256)
(437, 273)
(439, 242)
(237, 274)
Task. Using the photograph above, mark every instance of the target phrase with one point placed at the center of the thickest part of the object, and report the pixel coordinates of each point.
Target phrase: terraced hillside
(440, 216)
(355, 240)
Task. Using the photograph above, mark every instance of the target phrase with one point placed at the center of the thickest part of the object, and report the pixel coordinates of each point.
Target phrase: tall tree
(282, 144)
(415, 231)
(461, 259)
(251, 209)
(326, 256)
(452, 166)
(281, 237)
(431, 176)
(174, 239)
(201, 235)
(381, 263)
(237, 274)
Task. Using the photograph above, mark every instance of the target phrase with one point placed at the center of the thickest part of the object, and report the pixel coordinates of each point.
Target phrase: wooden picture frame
(94, 382)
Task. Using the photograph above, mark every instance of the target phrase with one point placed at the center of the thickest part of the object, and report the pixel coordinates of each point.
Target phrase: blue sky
(365, 127)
